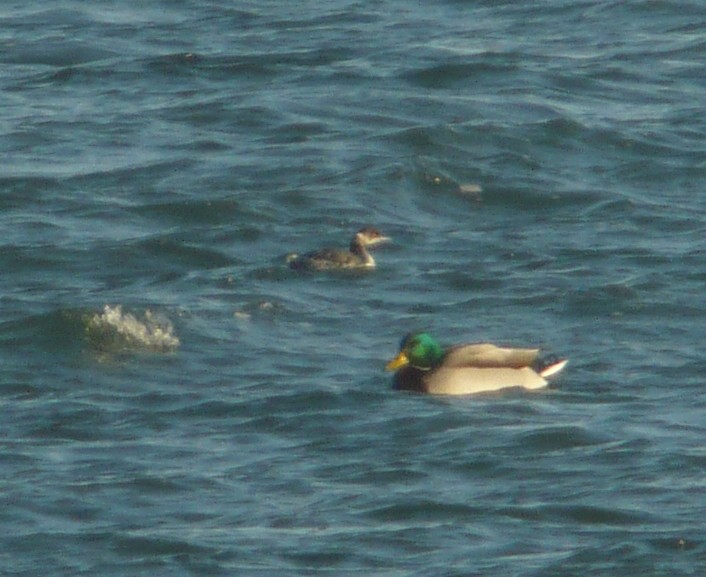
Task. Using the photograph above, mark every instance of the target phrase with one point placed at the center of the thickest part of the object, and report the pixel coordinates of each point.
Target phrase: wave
(115, 330)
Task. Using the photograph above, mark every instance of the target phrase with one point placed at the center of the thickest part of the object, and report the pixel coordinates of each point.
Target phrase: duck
(356, 257)
(424, 366)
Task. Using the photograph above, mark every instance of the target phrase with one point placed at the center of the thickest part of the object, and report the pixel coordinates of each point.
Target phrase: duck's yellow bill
(399, 361)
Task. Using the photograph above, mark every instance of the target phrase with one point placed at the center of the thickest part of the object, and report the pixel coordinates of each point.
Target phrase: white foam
(115, 329)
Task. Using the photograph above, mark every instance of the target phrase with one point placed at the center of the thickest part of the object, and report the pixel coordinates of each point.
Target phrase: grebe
(332, 258)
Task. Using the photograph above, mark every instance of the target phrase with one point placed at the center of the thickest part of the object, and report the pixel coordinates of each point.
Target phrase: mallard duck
(423, 366)
(332, 258)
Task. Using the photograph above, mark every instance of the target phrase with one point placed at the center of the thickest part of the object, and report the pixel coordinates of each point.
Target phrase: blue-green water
(175, 401)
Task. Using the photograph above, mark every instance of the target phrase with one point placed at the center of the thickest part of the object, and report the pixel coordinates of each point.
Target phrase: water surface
(175, 401)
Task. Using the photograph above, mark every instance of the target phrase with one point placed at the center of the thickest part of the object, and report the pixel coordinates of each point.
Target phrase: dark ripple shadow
(630, 554)
(171, 250)
(60, 330)
(422, 510)
(605, 300)
(579, 513)
(249, 66)
(550, 439)
(453, 75)
(213, 211)
(22, 191)
(117, 174)
(57, 52)
(157, 261)
(156, 546)
(73, 423)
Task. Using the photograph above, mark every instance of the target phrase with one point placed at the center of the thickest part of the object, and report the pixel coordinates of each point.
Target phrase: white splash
(115, 330)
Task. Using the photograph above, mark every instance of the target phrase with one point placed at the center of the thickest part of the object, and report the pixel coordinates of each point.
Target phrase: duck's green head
(420, 350)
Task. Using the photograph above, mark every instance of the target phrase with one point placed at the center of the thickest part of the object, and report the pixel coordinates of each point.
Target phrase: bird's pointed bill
(399, 361)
